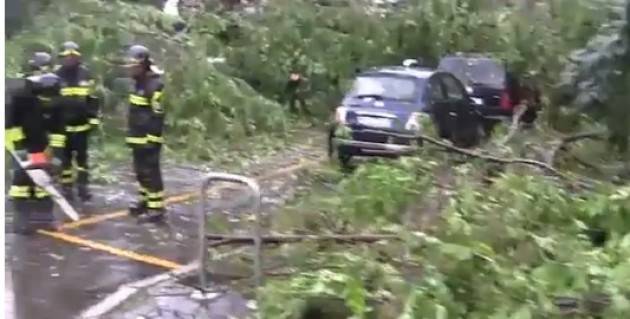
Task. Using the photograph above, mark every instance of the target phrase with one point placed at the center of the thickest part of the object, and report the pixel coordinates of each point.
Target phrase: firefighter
(145, 124)
(27, 136)
(81, 115)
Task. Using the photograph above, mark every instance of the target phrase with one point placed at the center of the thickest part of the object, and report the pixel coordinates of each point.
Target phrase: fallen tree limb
(516, 120)
(278, 239)
(562, 143)
(494, 159)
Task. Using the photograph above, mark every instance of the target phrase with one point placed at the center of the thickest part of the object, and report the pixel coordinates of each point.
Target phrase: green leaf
(523, 313)
(441, 312)
(456, 251)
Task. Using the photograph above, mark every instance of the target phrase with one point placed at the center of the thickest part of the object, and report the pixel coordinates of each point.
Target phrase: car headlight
(413, 123)
(340, 114)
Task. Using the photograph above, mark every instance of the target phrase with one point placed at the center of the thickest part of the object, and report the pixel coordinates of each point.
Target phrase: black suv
(494, 90)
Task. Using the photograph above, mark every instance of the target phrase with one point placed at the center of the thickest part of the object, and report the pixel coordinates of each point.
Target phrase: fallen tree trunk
(279, 239)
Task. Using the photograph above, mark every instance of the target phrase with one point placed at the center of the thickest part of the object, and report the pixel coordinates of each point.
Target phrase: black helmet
(137, 54)
(47, 83)
(40, 61)
(70, 48)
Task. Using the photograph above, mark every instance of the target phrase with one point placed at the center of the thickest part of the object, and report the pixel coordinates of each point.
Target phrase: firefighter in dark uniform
(27, 136)
(81, 115)
(145, 124)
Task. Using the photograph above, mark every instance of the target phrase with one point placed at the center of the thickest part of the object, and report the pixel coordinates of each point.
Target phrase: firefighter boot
(67, 192)
(82, 186)
(152, 215)
(84, 192)
(33, 214)
(137, 209)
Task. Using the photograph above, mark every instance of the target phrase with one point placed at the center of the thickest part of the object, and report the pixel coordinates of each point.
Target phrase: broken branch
(493, 159)
(516, 120)
(563, 143)
(278, 239)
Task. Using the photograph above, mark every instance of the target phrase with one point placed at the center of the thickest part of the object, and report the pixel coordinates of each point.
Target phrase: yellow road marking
(147, 259)
(182, 197)
(143, 258)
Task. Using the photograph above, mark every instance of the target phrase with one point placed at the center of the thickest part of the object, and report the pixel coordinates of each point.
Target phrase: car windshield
(385, 86)
(475, 71)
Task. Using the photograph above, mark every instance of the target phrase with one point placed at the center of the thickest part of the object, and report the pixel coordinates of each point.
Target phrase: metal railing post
(202, 219)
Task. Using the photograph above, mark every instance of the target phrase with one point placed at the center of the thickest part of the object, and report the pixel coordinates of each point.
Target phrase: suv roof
(417, 72)
(469, 55)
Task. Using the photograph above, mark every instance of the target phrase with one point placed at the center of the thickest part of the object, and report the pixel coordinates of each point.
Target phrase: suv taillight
(505, 102)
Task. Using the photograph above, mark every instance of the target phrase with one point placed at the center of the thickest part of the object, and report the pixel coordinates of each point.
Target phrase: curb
(130, 290)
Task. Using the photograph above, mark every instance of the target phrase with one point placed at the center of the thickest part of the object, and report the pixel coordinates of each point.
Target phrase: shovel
(43, 180)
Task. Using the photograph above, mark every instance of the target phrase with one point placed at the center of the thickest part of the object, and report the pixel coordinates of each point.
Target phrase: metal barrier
(203, 241)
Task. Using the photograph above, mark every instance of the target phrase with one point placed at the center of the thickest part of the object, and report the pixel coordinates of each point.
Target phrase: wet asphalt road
(51, 278)
(56, 279)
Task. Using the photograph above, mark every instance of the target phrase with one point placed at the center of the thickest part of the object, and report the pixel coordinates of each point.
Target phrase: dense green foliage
(598, 77)
(515, 249)
(327, 43)
(203, 102)
(508, 250)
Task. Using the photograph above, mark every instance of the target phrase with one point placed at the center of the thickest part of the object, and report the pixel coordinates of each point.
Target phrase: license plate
(375, 122)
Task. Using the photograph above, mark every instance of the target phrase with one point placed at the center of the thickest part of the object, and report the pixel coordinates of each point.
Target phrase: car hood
(400, 109)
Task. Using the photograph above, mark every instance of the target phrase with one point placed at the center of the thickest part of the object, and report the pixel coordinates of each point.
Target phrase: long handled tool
(43, 180)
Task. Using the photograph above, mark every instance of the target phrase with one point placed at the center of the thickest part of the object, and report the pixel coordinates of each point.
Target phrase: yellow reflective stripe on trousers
(155, 139)
(41, 193)
(57, 140)
(19, 191)
(155, 204)
(138, 100)
(67, 176)
(95, 121)
(75, 91)
(78, 128)
(136, 140)
(155, 196)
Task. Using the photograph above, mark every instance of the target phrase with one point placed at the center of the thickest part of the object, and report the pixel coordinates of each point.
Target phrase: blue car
(380, 115)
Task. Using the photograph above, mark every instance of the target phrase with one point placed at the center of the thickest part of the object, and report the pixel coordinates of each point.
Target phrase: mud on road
(58, 274)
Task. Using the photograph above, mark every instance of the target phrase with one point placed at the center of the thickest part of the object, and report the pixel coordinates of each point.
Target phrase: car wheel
(331, 146)
(470, 135)
(344, 159)
(335, 154)
(441, 127)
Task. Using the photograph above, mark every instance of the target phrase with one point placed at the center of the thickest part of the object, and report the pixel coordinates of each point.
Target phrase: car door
(463, 122)
(437, 105)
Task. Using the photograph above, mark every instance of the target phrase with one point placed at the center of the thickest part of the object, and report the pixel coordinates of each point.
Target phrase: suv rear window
(385, 86)
(475, 70)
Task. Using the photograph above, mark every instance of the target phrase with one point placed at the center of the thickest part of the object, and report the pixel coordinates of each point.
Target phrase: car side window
(435, 90)
(454, 89)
